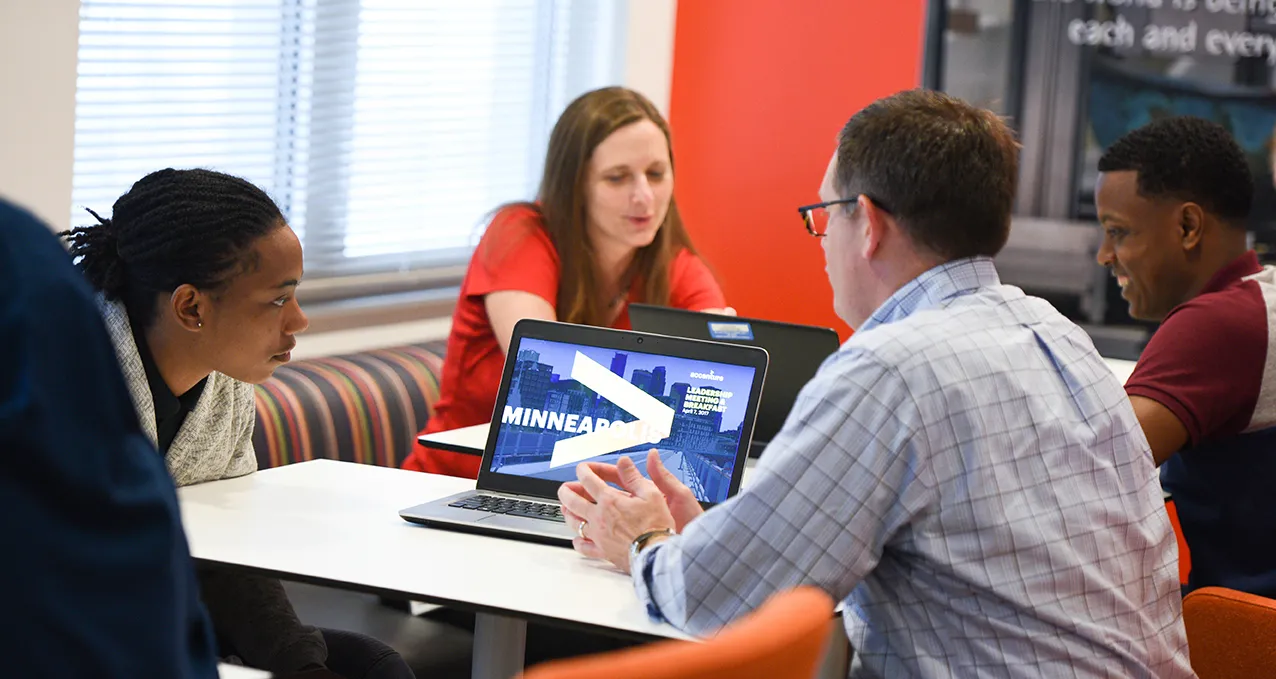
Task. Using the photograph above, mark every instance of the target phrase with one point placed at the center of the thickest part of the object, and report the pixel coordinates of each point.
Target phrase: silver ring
(580, 530)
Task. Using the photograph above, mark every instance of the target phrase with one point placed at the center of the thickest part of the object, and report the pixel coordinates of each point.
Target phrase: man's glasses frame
(808, 211)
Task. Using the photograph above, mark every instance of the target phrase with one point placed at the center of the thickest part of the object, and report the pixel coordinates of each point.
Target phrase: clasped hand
(614, 517)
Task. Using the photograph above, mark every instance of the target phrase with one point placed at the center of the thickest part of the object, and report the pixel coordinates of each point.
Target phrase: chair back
(1230, 634)
(784, 639)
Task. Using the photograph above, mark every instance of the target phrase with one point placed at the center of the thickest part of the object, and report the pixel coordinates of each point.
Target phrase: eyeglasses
(816, 217)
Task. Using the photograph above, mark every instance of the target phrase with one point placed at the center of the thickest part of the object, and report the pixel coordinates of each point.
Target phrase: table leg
(499, 643)
(837, 655)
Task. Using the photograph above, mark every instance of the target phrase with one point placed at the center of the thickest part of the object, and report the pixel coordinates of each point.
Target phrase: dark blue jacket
(97, 576)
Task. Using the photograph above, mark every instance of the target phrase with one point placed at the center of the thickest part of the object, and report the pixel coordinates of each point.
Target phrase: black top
(251, 614)
(170, 410)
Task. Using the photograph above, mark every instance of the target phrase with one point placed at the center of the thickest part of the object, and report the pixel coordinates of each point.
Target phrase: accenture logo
(708, 376)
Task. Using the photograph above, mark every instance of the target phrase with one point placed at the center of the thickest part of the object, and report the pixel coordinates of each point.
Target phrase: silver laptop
(573, 393)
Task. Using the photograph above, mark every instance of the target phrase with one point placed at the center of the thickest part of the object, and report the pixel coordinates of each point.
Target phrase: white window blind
(385, 129)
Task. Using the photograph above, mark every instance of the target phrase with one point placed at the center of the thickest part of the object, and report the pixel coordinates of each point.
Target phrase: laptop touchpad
(524, 523)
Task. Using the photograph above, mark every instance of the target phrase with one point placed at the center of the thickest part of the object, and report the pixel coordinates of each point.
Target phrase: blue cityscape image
(701, 446)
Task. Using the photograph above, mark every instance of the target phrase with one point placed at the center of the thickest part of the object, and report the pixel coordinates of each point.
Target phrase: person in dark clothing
(99, 575)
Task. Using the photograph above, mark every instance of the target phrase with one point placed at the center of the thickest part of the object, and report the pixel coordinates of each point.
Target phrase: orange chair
(784, 639)
(1230, 634)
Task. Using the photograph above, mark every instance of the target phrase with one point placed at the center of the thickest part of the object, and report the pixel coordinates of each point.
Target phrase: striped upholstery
(365, 407)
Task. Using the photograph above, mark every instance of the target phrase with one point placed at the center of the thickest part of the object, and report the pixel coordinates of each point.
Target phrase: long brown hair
(561, 203)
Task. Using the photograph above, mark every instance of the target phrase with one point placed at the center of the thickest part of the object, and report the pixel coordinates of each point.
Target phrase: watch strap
(641, 541)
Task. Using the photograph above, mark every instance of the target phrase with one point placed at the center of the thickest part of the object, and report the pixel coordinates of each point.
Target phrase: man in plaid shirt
(965, 473)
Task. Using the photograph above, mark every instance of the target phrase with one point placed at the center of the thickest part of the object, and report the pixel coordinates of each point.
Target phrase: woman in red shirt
(604, 231)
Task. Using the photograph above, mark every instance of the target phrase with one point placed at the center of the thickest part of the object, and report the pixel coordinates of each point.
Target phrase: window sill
(363, 312)
(366, 323)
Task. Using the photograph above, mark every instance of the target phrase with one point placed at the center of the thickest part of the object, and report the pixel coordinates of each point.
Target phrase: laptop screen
(571, 403)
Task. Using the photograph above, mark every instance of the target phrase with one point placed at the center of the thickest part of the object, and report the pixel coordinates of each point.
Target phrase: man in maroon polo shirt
(1173, 197)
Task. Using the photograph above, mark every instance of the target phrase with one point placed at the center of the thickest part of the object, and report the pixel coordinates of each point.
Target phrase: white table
(337, 524)
(468, 440)
(1121, 367)
(225, 671)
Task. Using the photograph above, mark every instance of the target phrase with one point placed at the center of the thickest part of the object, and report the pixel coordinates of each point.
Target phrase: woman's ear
(187, 305)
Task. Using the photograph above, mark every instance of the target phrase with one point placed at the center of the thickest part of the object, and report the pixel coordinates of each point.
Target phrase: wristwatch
(641, 541)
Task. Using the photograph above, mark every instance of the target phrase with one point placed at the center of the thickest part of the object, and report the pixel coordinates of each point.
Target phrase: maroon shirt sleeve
(1205, 362)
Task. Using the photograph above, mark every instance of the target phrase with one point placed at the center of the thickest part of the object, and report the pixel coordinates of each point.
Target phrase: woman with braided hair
(196, 273)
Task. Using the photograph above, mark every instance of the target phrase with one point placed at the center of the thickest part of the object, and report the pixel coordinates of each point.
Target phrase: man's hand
(612, 518)
(683, 504)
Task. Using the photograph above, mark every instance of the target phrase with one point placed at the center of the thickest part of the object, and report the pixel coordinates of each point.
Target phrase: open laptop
(796, 353)
(574, 393)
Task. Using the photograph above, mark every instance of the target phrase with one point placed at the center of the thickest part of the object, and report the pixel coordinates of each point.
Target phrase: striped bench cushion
(365, 407)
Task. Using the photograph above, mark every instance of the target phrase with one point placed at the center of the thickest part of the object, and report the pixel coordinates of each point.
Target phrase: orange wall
(760, 90)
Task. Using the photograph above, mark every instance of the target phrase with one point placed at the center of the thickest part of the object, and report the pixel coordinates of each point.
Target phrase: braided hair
(173, 227)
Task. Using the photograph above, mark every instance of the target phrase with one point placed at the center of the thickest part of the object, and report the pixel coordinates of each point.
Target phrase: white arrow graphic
(655, 419)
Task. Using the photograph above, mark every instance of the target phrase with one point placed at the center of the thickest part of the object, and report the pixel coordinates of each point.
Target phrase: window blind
(386, 130)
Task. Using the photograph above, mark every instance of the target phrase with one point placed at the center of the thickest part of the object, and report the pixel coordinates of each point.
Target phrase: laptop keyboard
(504, 505)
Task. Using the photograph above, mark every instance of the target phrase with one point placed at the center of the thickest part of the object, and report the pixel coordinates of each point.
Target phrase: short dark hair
(945, 169)
(1189, 159)
(171, 228)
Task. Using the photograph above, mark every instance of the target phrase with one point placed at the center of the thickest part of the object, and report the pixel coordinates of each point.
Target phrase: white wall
(39, 40)
(649, 49)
